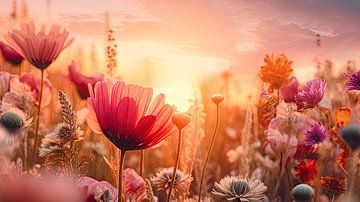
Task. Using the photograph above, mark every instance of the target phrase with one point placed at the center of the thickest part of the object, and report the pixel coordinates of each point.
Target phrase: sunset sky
(185, 40)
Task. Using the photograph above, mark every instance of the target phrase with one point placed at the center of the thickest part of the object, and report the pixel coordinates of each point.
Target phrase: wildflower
(98, 191)
(134, 185)
(280, 143)
(4, 83)
(289, 91)
(306, 171)
(180, 120)
(14, 119)
(276, 71)
(302, 192)
(163, 178)
(266, 108)
(333, 186)
(217, 98)
(239, 189)
(353, 81)
(316, 135)
(35, 84)
(40, 49)
(303, 151)
(81, 81)
(10, 54)
(311, 95)
(126, 117)
(351, 135)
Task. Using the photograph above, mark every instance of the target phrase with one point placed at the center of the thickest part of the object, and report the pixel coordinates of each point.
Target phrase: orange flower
(333, 186)
(306, 171)
(276, 71)
(343, 117)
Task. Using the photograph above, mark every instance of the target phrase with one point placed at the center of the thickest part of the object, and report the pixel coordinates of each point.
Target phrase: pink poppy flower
(311, 95)
(10, 54)
(34, 84)
(126, 117)
(289, 91)
(40, 49)
(81, 81)
(98, 190)
(134, 185)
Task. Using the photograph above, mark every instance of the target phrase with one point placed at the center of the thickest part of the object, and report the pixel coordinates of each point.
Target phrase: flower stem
(38, 118)
(209, 151)
(121, 168)
(175, 167)
(142, 162)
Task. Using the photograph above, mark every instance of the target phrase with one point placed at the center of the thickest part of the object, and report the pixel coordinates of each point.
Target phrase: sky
(184, 41)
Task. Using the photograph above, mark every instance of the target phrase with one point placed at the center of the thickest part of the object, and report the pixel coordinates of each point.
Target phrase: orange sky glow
(181, 42)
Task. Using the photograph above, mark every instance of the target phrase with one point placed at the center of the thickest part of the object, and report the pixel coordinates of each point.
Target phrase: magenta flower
(40, 49)
(4, 83)
(353, 82)
(134, 185)
(98, 190)
(127, 118)
(289, 91)
(311, 95)
(81, 81)
(34, 84)
(10, 54)
(316, 135)
(302, 151)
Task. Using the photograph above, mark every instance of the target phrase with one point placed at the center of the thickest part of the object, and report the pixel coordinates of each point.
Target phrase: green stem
(38, 119)
(177, 162)
(209, 151)
(121, 168)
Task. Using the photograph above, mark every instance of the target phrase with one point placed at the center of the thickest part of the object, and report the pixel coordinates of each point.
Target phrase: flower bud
(180, 120)
(217, 98)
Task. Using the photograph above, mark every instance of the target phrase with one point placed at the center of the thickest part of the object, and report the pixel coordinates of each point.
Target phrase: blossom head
(353, 81)
(39, 48)
(333, 186)
(276, 71)
(217, 98)
(239, 189)
(4, 83)
(98, 190)
(14, 120)
(302, 192)
(316, 135)
(306, 171)
(351, 135)
(163, 178)
(289, 91)
(180, 120)
(127, 117)
(81, 81)
(311, 95)
(10, 54)
(134, 185)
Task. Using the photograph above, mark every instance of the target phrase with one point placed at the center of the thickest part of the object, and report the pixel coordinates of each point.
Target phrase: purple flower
(353, 81)
(311, 95)
(316, 135)
(289, 91)
(10, 54)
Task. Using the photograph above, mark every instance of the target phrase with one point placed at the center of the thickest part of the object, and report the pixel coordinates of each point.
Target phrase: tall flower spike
(39, 48)
(181, 120)
(311, 95)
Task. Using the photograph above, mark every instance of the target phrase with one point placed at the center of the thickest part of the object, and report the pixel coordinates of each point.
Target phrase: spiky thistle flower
(13, 120)
(238, 188)
(163, 178)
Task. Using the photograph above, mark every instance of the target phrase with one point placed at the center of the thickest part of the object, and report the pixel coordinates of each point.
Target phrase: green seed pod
(11, 121)
(302, 192)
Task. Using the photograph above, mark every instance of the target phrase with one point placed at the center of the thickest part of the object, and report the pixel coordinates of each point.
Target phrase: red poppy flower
(126, 117)
(306, 171)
